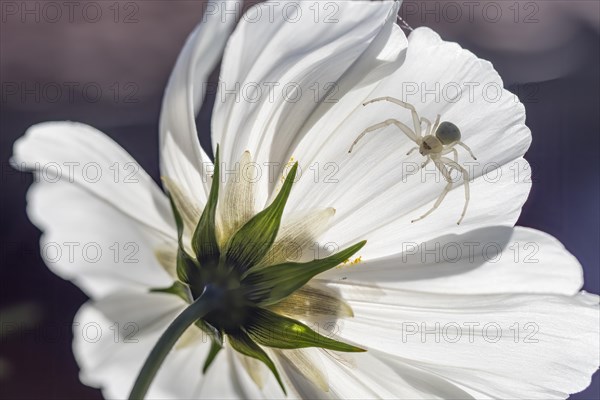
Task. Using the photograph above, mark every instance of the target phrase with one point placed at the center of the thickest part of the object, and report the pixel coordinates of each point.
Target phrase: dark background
(546, 51)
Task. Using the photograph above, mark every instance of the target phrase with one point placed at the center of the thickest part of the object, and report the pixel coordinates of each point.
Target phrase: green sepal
(210, 330)
(252, 241)
(187, 267)
(204, 239)
(215, 347)
(179, 289)
(178, 220)
(269, 285)
(273, 330)
(216, 342)
(241, 342)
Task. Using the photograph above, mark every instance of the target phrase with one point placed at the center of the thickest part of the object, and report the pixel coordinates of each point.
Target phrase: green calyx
(245, 285)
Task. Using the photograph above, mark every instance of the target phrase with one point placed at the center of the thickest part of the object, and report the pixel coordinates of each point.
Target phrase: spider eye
(447, 132)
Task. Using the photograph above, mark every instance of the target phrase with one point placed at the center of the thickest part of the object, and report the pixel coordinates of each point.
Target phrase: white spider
(438, 140)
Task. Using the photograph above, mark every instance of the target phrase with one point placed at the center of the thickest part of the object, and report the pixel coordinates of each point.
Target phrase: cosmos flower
(397, 316)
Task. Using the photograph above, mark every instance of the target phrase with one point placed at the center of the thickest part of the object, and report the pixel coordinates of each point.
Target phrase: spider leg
(424, 164)
(436, 124)
(442, 168)
(428, 124)
(465, 174)
(467, 148)
(452, 150)
(408, 106)
(412, 150)
(411, 135)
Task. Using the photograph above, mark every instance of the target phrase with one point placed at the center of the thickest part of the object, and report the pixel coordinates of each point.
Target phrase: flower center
(236, 264)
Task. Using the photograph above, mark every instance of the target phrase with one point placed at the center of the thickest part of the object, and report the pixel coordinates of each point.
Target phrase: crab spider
(435, 142)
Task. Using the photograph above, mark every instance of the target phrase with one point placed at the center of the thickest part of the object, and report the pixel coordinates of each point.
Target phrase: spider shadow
(444, 256)
(452, 254)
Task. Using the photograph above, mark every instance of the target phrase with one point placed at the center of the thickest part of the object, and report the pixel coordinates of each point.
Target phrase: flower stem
(206, 303)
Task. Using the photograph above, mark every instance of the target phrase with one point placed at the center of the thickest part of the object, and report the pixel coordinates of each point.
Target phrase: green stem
(206, 303)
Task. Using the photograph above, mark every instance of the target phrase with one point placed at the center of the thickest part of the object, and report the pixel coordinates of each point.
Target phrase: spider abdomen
(447, 133)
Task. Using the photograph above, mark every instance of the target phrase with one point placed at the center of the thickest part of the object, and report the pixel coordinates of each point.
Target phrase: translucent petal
(167, 258)
(237, 205)
(297, 235)
(307, 363)
(188, 209)
(310, 302)
(255, 369)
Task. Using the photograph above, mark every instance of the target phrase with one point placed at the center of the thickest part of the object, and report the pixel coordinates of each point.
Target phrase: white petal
(97, 232)
(182, 158)
(75, 153)
(484, 261)
(385, 54)
(417, 382)
(499, 346)
(374, 376)
(267, 63)
(378, 175)
(384, 219)
(87, 241)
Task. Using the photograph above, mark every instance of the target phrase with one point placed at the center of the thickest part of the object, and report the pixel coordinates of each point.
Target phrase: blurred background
(106, 63)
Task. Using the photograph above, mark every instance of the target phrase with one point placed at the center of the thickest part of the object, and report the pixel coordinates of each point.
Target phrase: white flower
(434, 325)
